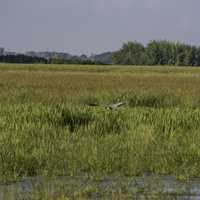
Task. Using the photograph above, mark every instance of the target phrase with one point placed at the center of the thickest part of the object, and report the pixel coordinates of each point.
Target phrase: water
(145, 187)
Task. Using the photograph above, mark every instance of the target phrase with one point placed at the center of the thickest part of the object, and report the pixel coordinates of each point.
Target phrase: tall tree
(131, 53)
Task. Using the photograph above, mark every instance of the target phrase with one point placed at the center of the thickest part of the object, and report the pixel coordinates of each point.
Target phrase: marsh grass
(48, 129)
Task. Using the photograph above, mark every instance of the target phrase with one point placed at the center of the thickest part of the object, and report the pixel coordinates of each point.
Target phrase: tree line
(20, 58)
(157, 53)
(161, 52)
(74, 61)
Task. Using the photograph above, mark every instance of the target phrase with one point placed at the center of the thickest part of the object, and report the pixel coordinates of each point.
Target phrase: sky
(95, 26)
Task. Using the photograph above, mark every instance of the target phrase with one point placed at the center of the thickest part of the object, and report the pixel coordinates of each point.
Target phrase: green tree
(131, 53)
(160, 53)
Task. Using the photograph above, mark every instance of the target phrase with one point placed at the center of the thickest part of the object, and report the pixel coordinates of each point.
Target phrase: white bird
(110, 106)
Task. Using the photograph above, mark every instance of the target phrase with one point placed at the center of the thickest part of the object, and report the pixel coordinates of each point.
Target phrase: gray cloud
(86, 26)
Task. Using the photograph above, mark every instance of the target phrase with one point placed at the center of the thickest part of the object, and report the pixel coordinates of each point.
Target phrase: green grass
(47, 129)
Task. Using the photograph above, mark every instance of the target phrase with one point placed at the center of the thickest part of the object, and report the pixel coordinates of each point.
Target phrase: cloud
(152, 4)
(96, 25)
(185, 23)
(110, 7)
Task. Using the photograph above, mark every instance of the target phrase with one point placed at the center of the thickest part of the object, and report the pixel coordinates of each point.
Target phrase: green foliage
(132, 53)
(74, 61)
(55, 60)
(21, 59)
(157, 53)
(161, 53)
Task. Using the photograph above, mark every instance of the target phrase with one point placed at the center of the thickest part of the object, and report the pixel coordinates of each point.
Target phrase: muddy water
(145, 187)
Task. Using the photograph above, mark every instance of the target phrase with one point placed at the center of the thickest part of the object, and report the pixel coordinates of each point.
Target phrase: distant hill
(60, 57)
(105, 58)
(49, 55)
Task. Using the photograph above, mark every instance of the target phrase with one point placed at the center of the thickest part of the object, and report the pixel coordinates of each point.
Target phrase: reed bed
(48, 129)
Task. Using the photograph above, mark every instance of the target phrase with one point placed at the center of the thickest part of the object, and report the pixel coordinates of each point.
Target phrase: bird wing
(119, 104)
(116, 105)
(111, 106)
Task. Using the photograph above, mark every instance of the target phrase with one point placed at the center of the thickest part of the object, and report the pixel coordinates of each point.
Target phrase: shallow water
(145, 187)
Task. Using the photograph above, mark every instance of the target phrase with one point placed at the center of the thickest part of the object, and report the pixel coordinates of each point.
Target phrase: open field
(47, 129)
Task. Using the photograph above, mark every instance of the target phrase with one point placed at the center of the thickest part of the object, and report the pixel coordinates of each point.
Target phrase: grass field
(47, 129)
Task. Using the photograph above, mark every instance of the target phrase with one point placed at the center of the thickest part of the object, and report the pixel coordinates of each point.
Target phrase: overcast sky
(86, 26)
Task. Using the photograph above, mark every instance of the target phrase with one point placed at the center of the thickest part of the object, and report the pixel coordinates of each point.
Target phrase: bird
(111, 107)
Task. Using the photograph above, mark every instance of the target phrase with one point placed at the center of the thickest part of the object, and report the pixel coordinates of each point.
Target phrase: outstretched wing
(120, 104)
(111, 106)
(116, 105)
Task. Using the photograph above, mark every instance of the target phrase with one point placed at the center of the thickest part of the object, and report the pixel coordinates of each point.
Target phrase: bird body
(110, 106)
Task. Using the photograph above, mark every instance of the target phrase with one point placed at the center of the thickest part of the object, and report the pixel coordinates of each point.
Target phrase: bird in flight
(112, 107)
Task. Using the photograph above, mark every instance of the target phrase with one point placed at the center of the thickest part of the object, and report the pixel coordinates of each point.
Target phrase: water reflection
(145, 187)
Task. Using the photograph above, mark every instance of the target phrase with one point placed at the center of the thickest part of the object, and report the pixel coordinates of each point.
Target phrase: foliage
(21, 59)
(74, 61)
(158, 53)
(131, 53)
